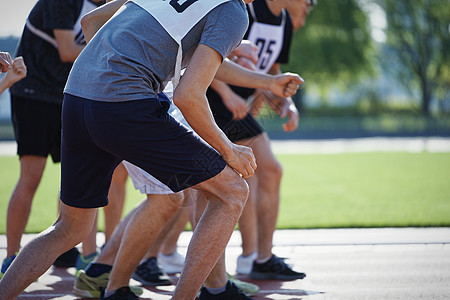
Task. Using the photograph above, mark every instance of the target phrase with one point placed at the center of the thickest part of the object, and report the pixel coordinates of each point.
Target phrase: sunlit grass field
(318, 191)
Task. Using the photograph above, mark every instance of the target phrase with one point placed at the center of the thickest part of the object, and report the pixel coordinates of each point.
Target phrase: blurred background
(371, 68)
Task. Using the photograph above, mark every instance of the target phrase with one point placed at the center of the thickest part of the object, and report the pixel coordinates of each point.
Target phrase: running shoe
(6, 263)
(248, 288)
(67, 259)
(148, 273)
(83, 261)
(171, 264)
(274, 268)
(124, 293)
(90, 287)
(232, 292)
(244, 264)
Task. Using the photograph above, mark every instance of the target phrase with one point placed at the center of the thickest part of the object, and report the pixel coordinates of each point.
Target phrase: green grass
(365, 190)
(318, 191)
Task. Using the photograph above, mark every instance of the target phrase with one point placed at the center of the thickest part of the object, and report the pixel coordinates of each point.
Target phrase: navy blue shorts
(235, 130)
(97, 136)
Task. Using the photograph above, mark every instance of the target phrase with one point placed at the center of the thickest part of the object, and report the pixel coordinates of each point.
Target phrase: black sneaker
(274, 268)
(67, 259)
(124, 293)
(148, 273)
(232, 292)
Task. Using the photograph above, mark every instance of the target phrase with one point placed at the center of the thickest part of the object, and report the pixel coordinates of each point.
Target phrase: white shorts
(143, 181)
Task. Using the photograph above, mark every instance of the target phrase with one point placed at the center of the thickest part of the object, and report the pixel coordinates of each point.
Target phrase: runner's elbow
(182, 97)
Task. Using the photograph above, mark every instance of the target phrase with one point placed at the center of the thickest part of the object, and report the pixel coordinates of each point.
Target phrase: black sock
(95, 270)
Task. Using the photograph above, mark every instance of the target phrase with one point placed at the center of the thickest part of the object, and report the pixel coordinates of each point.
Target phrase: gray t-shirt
(132, 56)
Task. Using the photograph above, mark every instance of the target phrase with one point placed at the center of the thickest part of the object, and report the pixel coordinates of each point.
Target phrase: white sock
(108, 293)
(264, 260)
(216, 291)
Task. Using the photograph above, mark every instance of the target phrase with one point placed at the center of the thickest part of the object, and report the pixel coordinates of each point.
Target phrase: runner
(111, 114)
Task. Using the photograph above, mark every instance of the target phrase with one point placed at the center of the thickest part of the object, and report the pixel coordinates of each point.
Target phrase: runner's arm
(94, 20)
(67, 48)
(283, 85)
(190, 97)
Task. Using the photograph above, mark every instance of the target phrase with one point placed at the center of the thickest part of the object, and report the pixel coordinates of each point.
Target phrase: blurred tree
(418, 38)
(335, 46)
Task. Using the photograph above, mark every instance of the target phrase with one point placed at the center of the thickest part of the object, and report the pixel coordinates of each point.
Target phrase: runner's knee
(272, 171)
(229, 187)
(74, 224)
(236, 192)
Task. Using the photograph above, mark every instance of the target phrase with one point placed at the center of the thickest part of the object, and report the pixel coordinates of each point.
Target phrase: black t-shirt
(264, 15)
(46, 73)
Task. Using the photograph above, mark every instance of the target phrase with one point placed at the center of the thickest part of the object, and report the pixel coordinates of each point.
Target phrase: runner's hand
(245, 62)
(284, 107)
(242, 160)
(291, 112)
(236, 104)
(285, 85)
(19, 70)
(246, 50)
(5, 62)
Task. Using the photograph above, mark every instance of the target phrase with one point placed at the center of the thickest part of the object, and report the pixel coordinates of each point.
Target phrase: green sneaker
(248, 288)
(6, 263)
(91, 287)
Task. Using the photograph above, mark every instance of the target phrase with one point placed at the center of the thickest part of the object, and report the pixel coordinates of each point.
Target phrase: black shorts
(97, 136)
(235, 130)
(37, 127)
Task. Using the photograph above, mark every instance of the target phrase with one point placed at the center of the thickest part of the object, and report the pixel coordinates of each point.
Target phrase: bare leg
(117, 192)
(218, 276)
(169, 245)
(227, 193)
(139, 234)
(109, 252)
(72, 226)
(162, 236)
(247, 222)
(31, 170)
(268, 174)
(89, 245)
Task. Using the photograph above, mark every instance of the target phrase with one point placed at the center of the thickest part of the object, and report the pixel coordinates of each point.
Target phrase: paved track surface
(348, 264)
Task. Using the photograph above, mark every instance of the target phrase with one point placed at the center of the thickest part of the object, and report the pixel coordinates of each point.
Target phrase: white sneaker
(244, 264)
(171, 264)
